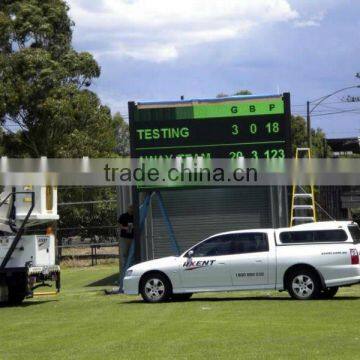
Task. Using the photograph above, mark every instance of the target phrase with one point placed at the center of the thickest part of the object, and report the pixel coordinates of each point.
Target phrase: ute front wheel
(155, 288)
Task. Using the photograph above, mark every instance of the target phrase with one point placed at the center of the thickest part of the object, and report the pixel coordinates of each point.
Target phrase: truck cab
(27, 261)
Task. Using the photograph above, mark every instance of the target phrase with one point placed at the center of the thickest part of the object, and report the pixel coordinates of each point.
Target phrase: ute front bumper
(131, 285)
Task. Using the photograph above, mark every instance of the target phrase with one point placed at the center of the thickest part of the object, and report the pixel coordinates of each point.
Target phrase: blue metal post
(173, 242)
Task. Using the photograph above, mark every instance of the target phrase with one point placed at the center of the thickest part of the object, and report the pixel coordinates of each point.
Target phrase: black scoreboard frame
(132, 107)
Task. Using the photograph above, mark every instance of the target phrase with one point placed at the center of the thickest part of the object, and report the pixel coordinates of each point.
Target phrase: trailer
(27, 261)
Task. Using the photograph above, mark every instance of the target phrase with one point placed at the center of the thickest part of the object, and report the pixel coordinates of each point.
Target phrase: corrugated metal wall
(196, 214)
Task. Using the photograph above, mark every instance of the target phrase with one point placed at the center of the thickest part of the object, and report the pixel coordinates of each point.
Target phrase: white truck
(309, 261)
(27, 261)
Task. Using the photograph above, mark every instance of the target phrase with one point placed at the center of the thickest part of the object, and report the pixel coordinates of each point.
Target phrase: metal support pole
(325, 148)
(308, 124)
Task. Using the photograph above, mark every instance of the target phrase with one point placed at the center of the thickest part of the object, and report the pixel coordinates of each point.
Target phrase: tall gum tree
(46, 105)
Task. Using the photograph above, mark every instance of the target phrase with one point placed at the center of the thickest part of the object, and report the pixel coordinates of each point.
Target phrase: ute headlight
(129, 272)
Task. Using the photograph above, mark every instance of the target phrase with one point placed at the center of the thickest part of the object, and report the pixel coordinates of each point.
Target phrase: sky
(162, 49)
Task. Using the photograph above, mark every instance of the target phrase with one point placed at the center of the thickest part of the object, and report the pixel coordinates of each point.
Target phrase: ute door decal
(208, 266)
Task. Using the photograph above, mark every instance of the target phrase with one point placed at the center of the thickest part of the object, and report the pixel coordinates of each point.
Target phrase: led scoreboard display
(244, 126)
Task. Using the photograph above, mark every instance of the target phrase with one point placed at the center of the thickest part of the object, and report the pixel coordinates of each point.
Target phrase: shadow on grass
(247, 298)
(111, 280)
(29, 303)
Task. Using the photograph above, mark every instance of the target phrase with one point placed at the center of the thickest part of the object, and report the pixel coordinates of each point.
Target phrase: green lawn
(82, 323)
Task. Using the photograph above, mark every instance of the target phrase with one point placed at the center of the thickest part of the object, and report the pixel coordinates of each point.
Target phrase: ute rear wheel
(304, 285)
(328, 293)
(155, 288)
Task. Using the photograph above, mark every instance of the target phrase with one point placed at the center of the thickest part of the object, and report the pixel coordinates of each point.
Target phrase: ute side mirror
(190, 254)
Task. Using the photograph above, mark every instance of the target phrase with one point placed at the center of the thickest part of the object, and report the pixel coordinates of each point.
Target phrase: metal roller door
(196, 214)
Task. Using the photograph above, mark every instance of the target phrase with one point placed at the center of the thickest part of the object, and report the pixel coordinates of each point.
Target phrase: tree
(299, 138)
(1, 141)
(46, 107)
(243, 92)
(240, 92)
(94, 212)
(122, 135)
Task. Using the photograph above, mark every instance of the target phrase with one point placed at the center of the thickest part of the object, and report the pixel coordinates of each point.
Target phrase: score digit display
(246, 126)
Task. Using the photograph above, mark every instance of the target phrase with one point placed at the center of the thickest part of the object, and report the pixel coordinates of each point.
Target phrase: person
(126, 222)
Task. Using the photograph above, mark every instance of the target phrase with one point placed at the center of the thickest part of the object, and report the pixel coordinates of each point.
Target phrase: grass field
(82, 323)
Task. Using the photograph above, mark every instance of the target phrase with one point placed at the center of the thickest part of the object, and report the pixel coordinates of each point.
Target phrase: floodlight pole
(316, 103)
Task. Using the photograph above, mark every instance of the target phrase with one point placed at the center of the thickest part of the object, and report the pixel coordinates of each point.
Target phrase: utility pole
(316, 103)
(308, 124)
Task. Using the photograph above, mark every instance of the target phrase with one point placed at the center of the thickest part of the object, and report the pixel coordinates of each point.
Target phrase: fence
(87, 232)
(87, 253)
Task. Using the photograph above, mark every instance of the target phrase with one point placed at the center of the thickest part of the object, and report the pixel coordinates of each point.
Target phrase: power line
(326, 112)
(331, 102)
(357, 111)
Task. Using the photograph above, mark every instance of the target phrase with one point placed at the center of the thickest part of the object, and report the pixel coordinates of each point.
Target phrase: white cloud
(307, 23)
(158, 30)
(314, 20)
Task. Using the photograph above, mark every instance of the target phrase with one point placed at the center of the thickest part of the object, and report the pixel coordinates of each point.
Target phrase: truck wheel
(328, 293)
(155, 288)
(181, 297)
(16, 297)
(304, 285)
(4, 293)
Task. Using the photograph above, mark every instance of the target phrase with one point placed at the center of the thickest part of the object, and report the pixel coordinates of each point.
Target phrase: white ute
(309, 261)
